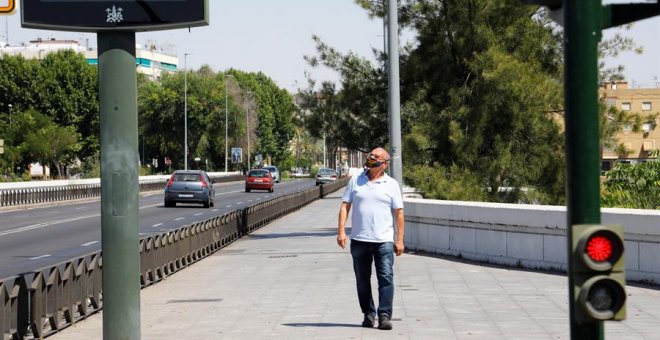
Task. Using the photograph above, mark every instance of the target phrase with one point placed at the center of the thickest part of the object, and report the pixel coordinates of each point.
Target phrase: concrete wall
(528, 236)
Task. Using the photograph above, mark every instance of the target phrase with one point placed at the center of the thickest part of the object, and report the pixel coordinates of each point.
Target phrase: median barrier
(12, 194)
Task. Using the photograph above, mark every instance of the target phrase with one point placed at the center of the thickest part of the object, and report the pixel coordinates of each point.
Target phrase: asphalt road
(38, 237)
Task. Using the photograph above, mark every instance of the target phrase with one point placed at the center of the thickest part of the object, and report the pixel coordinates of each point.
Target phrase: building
(150, 59)
(639, 146)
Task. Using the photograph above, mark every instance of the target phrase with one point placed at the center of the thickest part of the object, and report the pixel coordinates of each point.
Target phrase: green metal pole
(582, 24)
(119, 185)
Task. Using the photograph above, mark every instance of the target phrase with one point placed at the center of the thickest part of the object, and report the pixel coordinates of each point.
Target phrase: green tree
(632, 186)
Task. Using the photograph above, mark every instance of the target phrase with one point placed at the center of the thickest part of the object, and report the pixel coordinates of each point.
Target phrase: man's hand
(341, 240)
(399, 248)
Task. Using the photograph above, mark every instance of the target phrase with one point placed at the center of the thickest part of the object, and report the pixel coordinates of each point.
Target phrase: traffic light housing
(598, 273)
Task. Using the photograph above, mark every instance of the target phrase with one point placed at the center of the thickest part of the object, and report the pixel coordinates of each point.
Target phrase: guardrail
(40, 303)
(36, 195)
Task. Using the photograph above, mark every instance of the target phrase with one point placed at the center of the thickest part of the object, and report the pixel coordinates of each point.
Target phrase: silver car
(274, 172)
(189, 186)
(325, 175)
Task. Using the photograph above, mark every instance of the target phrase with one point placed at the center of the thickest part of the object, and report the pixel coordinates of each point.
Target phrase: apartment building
(149, 59)
(638, 145)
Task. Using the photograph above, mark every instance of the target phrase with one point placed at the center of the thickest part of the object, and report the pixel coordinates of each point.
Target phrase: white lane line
(249, 200)
(89, 243)
(80, 208)
(46, 224)
(179, 219)
(239, 203)
(39, 257)
(228, 206)
(157, 225)
(214, 210)
(198, 214)
(228, 192)
(258, 198)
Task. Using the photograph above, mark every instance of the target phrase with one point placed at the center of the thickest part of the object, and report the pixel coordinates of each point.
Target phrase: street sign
(7, 6)
(117, 15)
(236, 155)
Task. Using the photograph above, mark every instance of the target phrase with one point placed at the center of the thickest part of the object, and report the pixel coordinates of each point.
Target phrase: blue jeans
(382, 254)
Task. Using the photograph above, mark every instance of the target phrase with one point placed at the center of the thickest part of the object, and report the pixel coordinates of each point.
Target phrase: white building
(150, 60)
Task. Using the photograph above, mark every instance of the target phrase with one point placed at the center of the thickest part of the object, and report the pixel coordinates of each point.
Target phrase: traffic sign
(117, 15)
(7, 6)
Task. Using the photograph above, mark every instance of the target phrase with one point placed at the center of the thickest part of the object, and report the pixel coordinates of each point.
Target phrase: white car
(273, 172)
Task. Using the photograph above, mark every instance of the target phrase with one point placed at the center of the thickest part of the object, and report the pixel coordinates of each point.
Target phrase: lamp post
(247, 130)
(226, 122)
(185, 110)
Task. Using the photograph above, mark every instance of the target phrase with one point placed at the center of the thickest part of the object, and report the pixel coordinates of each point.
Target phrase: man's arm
(400, 229)
(341, 222)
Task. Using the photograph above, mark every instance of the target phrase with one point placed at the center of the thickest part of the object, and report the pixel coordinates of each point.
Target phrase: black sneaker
(369, 320)
(384, 322)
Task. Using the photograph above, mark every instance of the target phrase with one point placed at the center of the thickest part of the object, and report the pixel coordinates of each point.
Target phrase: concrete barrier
(527, 236)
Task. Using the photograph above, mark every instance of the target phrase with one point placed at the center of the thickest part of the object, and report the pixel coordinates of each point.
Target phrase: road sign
(7, 6)
(117, 15)
(236, 155)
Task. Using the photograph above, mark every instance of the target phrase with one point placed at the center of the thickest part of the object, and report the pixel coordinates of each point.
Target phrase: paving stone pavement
(289, 280)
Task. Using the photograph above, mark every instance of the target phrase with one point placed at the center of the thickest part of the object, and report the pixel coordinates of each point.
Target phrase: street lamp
(226, 121)
(185, 110)
(247, 129)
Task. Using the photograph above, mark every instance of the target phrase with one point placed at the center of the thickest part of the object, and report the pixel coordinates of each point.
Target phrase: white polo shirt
(372, 204)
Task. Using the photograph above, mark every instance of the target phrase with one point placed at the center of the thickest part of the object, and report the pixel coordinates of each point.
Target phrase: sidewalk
(289, 280)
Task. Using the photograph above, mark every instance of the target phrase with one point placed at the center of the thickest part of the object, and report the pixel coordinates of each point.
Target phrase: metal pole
(185, 110)
(583, 22)
(10, 106)
(119, 185)
(393, 82)
(226, 124)
(247, 133)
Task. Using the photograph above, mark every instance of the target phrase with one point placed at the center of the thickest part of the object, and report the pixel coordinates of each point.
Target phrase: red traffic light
(599, 248)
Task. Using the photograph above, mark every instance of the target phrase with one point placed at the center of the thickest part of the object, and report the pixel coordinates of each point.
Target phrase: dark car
(189, 186)
(259, 179)
(274, 172)
(325, 175)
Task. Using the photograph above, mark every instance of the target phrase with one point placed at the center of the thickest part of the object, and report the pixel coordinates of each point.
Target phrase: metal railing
(40, 303)
(25, 196)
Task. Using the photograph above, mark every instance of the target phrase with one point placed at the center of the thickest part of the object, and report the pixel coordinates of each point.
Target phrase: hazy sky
(253, 35)
(273, 36)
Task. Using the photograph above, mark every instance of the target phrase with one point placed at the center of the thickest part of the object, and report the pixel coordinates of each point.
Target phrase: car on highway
(274, 172)
(326, 175)
(189, 186)
(259, 179)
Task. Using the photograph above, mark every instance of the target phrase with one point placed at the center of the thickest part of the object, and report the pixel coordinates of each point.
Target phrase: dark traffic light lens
(601, 297)
(599, 248)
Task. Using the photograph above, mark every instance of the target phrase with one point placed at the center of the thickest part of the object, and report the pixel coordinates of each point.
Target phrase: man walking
(378, 205)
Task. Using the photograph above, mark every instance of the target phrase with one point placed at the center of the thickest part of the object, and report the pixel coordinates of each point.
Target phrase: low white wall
(529, 236)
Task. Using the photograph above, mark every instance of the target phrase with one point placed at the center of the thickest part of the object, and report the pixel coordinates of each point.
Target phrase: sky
(274, 36)
(252, 35)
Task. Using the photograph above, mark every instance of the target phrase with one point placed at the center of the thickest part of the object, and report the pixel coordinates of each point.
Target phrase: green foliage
(445, 183)
(632, 186)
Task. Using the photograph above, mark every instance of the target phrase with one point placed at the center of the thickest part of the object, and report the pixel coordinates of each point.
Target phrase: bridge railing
(45, 194)
(40, 303)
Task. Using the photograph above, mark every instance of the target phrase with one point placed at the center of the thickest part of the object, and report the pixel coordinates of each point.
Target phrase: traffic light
(599, 284)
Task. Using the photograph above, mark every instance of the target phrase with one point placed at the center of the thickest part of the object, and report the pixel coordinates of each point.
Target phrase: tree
(632, 186)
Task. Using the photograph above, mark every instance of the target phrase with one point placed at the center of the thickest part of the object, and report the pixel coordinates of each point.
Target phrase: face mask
(372, 162)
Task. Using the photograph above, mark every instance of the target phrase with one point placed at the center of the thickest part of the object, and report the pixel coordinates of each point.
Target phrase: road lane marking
(39, 257)
(228, 206)
(214, 210)
(198, 214)
(157, 225)
(239, 203)
(46, 224)
(89, 243)
(179, 219)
